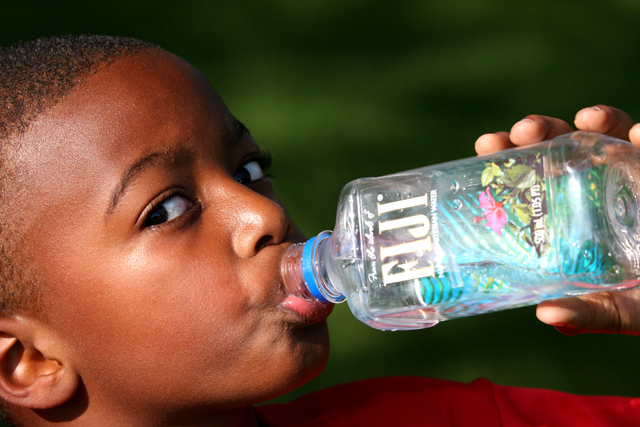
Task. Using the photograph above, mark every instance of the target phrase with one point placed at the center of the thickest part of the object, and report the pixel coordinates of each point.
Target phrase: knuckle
(604, 313)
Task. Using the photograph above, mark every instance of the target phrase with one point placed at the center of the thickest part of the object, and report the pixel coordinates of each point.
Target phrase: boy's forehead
(144, 92)
(122, 106)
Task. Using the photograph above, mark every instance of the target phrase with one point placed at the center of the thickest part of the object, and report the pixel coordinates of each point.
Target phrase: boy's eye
(249, 172)
(167, 209)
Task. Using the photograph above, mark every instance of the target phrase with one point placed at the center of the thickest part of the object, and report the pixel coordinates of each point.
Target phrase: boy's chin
(301, 380)
(312, 362)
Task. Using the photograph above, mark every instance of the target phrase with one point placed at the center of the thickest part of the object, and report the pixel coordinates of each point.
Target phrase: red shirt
(414, 401)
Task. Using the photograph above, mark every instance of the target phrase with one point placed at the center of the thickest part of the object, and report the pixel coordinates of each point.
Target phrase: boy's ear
(32, 372)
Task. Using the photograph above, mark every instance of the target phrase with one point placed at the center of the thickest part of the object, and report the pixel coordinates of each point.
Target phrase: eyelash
(163, 198)
(264, 158)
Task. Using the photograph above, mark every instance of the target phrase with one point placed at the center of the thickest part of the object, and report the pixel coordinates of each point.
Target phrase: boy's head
(136, 213)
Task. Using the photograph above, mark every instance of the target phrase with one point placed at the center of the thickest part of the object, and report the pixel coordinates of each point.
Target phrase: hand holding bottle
(606, 312)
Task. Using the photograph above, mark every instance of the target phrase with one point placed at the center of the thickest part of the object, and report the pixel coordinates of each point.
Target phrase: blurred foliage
(340, 89)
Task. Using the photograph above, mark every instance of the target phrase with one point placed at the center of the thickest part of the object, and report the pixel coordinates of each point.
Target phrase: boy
(141, 215)
(141, 244)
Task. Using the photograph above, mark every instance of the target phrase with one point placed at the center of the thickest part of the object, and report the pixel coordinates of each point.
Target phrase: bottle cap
(308, 265)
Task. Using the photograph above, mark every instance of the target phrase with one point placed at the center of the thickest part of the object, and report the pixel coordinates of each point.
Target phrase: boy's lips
(311, 312)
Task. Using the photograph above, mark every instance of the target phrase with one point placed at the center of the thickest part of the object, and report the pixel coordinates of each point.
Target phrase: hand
(605, 312)
(536, 128)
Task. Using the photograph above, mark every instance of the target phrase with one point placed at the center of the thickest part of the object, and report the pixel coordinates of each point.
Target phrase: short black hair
(34, 76)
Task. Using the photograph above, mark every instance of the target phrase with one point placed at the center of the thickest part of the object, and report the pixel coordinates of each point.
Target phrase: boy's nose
(260, 222)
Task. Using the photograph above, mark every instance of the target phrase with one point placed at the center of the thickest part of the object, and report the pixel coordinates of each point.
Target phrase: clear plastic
(477, 235)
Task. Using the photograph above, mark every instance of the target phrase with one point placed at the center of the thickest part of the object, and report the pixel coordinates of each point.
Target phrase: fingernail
(523, 121)
(594, 108)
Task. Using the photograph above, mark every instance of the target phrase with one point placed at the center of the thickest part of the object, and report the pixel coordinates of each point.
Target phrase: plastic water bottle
(555, 219)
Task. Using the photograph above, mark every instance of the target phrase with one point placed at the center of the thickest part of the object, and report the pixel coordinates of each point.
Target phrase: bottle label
(514, 200)
(469, 214)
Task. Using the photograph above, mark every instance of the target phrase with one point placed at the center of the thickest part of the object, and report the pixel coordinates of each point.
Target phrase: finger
(492, 142)
(634, 135)
(606, 312)
(604, 119)
(536, 128)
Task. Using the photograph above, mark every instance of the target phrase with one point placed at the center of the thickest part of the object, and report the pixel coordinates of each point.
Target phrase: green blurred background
(350, 88)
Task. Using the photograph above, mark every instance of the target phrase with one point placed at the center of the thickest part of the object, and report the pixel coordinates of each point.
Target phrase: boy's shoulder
(434, 402)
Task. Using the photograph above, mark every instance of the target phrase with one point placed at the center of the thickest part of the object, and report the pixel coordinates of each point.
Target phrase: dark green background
(340, 89)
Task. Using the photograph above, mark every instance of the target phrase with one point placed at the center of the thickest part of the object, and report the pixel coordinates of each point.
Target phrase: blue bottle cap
(308, 263)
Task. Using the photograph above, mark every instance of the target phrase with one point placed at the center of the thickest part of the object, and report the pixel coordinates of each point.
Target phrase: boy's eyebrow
(236, 131)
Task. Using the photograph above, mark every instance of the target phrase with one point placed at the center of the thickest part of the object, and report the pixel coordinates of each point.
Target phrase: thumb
(615, 312)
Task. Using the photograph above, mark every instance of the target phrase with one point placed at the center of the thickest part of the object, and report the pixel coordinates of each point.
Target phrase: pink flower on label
(494, 213)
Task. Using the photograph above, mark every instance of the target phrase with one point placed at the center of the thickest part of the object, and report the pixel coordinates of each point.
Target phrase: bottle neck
(304, 270)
